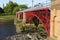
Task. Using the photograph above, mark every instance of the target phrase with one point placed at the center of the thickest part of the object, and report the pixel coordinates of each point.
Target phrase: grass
(8, 16)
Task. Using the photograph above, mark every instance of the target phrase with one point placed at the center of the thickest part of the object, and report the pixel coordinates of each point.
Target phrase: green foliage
(11, 8)
(19, 8)
(8, 16)
(36, 5)
(1, 11)
(15, 10)
(22, 7)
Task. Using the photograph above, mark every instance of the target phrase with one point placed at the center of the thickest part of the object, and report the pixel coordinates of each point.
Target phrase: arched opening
(44, 20)
(39, 27)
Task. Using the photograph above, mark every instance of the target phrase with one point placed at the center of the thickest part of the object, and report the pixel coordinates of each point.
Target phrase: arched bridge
(42, 14)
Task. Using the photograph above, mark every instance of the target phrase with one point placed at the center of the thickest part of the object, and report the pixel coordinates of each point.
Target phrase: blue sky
(27, 2)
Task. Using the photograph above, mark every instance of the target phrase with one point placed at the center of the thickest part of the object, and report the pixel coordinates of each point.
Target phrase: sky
(27, 2)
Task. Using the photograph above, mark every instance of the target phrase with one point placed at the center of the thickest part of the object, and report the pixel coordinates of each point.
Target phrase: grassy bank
(8, 16)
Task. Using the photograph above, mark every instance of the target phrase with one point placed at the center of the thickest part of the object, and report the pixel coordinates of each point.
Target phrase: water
(7, 27)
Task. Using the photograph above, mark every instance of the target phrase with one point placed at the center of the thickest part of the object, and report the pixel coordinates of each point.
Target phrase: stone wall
(55, 24)
(55, 2)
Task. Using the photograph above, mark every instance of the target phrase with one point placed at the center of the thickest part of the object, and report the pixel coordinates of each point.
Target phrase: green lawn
(8, 16)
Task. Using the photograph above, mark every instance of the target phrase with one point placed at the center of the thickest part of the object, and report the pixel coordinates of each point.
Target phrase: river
(7, 27)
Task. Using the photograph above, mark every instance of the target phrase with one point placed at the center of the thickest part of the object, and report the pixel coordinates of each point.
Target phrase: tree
(36, 5)
(10, 7)
(1, 10)
(19, 8)
(22, 6)
(15, 10)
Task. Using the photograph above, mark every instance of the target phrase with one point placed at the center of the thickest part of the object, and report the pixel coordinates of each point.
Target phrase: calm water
(7, 28)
